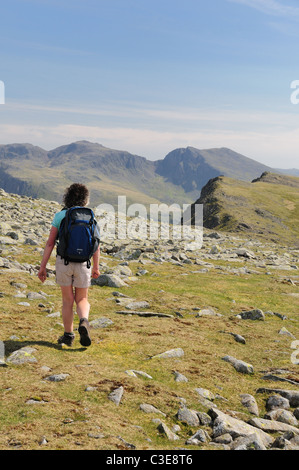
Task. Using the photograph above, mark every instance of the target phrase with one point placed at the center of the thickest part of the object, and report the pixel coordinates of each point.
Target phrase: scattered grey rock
(109, 280)
(18, 285)
(176, 428)
(276, 378)
(126, 444)
(245, 253)
(22, 356)
(255, 314)
(204, 418)
(284, 444)
(276, 401)
(279, 315)
(101, 322)
(291, 395)
(172, 353)
(208, 312)
(120, 294)
(32, 401)
(240, 366)
(250, 403)
(239, 338)
(20, 295)
(188, 416)
(201, 436)
(96, 435)
(135, 373)
(54, 315)
(163, 429)
(268, 425)
(215, 250)
(142, 272)
(30, 241)
(116, 395)
(178, 377)
(248, 443)
(122, 270)
(57, 377)
(204, 393)
(204, 402)
(137, 305)
(146, 408)
(43, 441)
(45, 369)
(144, 314)
(34, 296)
(225, 424)
(284, 331)
(223, 439)
(283, 416)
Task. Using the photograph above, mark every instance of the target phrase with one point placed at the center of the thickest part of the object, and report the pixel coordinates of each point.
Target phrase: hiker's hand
(42, 274)
(95, 273)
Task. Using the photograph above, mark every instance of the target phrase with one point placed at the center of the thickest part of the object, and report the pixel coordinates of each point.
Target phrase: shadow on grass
(11, 346)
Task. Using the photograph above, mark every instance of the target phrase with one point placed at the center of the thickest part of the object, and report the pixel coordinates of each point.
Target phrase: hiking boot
(84, 332)
(67, 339)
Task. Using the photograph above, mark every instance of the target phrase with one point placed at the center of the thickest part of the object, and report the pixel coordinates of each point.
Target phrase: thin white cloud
(271, 7)
(167, 116)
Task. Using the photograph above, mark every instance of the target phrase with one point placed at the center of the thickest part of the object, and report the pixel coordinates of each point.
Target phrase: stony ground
(192, 348)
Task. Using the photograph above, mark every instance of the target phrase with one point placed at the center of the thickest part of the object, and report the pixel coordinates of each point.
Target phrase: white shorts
(72, 274)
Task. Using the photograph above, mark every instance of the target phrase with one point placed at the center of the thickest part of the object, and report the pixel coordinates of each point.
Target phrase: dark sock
(69, 334)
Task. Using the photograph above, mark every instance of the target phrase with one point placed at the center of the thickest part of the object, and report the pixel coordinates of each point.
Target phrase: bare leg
(67, 308)
(81, 299)
(83, 308)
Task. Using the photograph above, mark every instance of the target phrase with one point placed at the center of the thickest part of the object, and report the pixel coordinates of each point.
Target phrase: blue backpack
(78, 236)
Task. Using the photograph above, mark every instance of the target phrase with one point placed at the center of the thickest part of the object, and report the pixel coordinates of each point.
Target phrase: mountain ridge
(267, 207)
(29, 170)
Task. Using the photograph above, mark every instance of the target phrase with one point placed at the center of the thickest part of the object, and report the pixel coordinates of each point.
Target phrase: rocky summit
(193, 346)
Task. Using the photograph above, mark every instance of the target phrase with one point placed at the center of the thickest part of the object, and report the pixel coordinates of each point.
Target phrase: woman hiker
(73, 278)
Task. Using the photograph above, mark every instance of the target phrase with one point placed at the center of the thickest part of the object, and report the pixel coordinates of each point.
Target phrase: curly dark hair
(76, 195)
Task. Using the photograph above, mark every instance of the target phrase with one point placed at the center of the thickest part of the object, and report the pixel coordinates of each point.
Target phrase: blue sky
(150, 76)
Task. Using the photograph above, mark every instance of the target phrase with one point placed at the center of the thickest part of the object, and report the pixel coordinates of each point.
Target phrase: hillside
(192, 168)
(178, 178)
(191, 348)
(268, 207)
(31, 171)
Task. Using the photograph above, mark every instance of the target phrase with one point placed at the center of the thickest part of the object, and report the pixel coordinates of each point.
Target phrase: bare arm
(42, 274)
(95, 267)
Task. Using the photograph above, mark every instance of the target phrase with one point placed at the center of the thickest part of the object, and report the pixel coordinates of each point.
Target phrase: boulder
(225, 424)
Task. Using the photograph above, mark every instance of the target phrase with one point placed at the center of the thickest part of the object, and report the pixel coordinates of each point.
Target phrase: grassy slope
(279, 204)
(127, 344)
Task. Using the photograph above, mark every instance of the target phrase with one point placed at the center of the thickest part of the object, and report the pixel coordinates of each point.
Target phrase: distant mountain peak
(179, 177)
